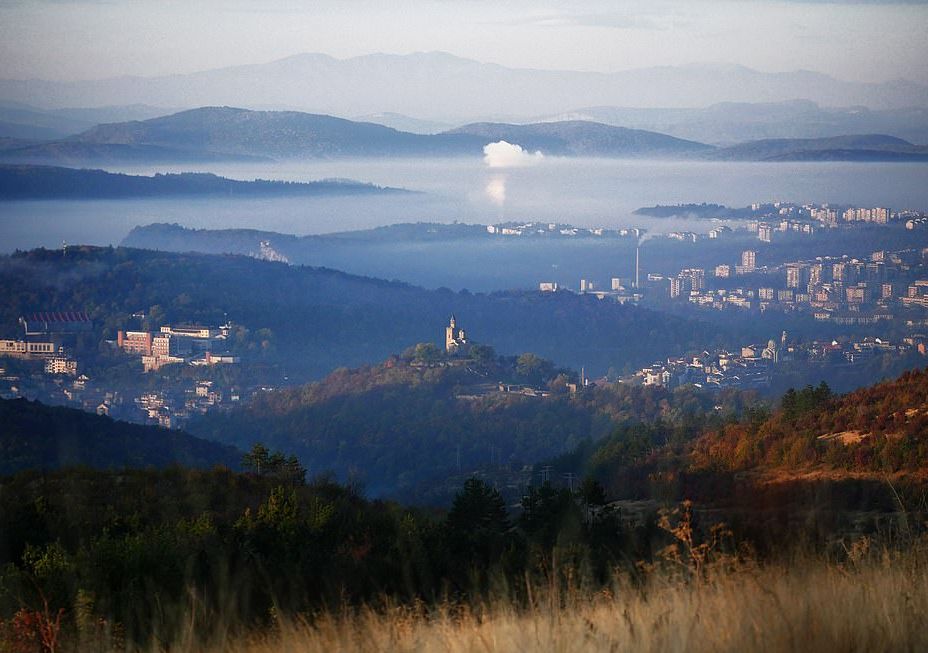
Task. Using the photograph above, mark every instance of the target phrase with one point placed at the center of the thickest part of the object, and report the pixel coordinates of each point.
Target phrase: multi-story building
(61, 365)
(26, 349)
(765, 233)
(191, 331)
(824, 215)
(163, 345)
(134, 342)
(819, 274)
(877, 215)
(858, 294)
(748, 260)
(797, 275)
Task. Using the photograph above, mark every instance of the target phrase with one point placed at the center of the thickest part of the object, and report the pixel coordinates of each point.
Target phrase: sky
(855, 40)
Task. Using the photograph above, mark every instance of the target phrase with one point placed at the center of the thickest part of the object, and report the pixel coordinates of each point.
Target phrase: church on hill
(455, 338)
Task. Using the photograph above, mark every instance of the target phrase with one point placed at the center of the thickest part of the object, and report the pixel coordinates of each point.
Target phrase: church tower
(455, 338)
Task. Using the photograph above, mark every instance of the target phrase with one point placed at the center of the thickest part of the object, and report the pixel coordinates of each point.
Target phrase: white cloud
(508, 155)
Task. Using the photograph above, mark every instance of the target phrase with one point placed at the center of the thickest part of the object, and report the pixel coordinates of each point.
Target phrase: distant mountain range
(439, 86)
(48, 182)
(728, 123)
(725, 123)
(224, 133)
(212, 133)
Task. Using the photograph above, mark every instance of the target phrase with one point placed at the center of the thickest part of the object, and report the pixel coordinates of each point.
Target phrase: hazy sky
(863, 40)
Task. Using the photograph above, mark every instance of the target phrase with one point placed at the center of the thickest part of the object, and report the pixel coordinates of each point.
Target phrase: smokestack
(637, 280)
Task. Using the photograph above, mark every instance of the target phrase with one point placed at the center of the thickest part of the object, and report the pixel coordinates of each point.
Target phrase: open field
(805, 607)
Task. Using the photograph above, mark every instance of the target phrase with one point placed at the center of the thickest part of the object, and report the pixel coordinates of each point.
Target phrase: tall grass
(809, 606)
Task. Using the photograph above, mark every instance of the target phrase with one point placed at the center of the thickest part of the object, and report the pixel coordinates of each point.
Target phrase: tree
(593, 492)
(426, 352)
(534, 368)
(483, 354)
(262, 462)
(476, 525)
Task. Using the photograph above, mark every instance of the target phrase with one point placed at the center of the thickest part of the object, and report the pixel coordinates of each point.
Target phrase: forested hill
(878, 429)
(584, 138)
(874, 433)
(51, 182)
(35, 436)
(415, 425)
(854, 147)
(308, 321)
(213, 133)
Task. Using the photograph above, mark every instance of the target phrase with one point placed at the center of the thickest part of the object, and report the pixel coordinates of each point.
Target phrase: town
(167, 373)
(48, 366)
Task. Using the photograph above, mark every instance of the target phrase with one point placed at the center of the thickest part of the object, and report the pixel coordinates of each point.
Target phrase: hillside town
(49, 367)
(166, 373)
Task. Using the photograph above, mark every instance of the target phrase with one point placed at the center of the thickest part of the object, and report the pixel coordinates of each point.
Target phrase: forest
(39, 437)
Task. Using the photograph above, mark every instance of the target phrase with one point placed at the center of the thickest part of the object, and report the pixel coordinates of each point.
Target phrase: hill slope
(860, 440)
(881, 429)
(584, 138)
(412, 428)
(35, 436)
(863, 147)
(211, 133)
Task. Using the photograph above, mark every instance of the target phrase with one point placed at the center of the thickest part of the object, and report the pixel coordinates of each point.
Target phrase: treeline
(127, 557)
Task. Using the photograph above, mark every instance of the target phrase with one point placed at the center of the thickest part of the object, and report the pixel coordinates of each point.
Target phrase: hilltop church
(455, 339)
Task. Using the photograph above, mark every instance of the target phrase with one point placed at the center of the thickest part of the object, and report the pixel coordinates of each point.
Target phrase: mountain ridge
(456, 88)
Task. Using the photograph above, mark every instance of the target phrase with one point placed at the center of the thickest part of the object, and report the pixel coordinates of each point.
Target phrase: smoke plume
(508, 155)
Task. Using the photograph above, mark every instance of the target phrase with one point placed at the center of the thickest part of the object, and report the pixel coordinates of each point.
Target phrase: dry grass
(878, 607)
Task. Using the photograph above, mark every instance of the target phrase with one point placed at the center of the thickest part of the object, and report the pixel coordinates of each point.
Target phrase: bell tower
(455, 338)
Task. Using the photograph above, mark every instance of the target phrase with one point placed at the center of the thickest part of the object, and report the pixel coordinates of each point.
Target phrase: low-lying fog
(584, 192)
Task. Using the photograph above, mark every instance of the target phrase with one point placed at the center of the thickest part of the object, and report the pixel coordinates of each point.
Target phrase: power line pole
(570, 480)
